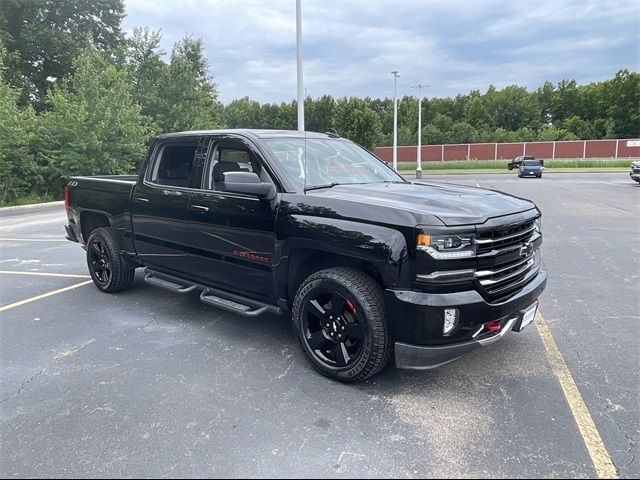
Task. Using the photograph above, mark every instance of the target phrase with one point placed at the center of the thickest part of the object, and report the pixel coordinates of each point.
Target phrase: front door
(233, 234)
(160, 205)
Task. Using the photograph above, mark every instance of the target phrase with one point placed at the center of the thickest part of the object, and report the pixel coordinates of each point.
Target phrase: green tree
(513, 108)
(582, 129)
(147, 70)
(187, 96)
(432, 135)
(318, 113)
(354, 119)
(476, 112)
(243, 113)
(566, 101)
(43, 37)
(287, 116)
(623, 99)
(17, 170)
(92, 125)
(462, 132)
(406, 136)
(545, 97)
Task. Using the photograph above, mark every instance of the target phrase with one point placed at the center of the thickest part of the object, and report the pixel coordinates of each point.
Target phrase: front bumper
(418, 357)
(418, 318)
(635, 176)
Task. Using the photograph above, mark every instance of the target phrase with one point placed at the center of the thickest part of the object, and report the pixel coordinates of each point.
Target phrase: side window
(175, 165)
(229, 158)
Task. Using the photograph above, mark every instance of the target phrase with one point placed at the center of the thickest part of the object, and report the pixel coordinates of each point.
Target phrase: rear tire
(345, 303)
(108, 269)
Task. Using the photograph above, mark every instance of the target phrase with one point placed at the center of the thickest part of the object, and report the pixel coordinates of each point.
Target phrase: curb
(31, 205)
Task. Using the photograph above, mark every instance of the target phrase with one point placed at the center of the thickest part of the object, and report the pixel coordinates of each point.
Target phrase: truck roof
(250, 132)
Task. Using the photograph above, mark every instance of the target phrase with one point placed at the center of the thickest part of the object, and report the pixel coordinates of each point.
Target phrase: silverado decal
(250, 256)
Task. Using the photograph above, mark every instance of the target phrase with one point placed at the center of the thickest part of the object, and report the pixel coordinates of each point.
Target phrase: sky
(351, 46)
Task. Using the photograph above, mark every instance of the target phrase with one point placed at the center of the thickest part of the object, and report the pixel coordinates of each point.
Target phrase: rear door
(233, 233)
(160, 204)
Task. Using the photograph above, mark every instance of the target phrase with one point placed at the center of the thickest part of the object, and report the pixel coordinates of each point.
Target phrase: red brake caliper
(351, 308)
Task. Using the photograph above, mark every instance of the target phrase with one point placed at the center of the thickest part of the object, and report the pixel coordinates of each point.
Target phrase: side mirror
(248, 183)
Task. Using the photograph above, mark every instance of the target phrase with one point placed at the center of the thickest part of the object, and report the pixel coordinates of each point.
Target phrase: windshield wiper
(318, 187)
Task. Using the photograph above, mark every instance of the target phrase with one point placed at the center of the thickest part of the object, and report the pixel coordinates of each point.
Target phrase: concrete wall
(491, 151)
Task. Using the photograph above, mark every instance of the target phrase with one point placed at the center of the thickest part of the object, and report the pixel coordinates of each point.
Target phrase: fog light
(450, 320)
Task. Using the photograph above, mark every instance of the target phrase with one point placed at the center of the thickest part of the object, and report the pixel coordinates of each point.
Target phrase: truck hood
(451, 204)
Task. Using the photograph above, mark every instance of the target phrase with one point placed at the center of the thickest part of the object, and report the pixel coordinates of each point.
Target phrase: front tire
(340, 321)
(106, 266)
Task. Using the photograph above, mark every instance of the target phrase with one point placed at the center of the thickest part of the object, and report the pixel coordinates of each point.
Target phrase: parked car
(635, 170)
(517, 161)
(531, 168)
(368, 265)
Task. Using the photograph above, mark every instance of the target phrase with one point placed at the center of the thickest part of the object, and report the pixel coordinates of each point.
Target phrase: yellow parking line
(44, 295)
(43, 274)
(597, 451)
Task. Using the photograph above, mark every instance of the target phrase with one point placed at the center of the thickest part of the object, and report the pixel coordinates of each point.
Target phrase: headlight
(447, 246)
(538, 224)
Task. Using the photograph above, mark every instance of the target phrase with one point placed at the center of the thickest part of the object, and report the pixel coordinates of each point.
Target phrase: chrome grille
(504, 237)
(509, 274)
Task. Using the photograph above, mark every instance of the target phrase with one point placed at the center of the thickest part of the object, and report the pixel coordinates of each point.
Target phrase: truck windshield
(328, 161)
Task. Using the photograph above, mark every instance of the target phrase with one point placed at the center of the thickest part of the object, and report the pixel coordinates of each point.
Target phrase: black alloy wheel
(340, 320)
(333, 331)
(100, 261)
(109, 270)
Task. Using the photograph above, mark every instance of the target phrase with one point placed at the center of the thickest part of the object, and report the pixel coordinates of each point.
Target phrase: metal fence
(621, 148)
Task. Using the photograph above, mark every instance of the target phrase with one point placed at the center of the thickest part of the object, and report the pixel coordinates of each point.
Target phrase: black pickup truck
(368, 265)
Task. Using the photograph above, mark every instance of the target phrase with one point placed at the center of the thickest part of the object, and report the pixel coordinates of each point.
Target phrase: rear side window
(175, 165)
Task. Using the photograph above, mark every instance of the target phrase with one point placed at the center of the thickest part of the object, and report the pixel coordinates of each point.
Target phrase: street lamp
(420, 86)
(299, 65)
(395, 120)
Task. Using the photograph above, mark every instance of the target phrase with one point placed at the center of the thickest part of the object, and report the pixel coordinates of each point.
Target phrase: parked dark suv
(516, 162)
(635, 170)
(531, 168)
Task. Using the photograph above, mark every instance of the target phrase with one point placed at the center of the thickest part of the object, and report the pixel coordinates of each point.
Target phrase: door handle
(175, 193)
(142, 199)
(200, 208)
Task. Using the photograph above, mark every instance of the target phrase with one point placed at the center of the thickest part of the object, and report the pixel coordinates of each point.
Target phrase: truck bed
(104, 194)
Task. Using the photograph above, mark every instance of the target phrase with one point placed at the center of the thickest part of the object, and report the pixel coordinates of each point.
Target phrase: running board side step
(230, 302)
(166, 282)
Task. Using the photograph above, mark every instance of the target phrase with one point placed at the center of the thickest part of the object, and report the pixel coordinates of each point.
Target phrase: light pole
(419, 86)
(299, 64)
(395, 120)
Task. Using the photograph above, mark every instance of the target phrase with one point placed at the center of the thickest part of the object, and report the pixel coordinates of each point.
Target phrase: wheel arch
(91, 220)
(321, 243)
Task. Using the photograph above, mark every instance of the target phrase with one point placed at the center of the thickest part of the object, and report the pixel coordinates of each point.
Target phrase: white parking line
(44, 295)
(43, 274)
(33, 240)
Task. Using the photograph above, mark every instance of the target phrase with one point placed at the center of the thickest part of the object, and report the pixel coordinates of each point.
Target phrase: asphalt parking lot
(143, 383)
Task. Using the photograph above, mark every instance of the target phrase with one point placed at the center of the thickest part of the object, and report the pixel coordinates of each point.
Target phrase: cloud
(350, 47)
